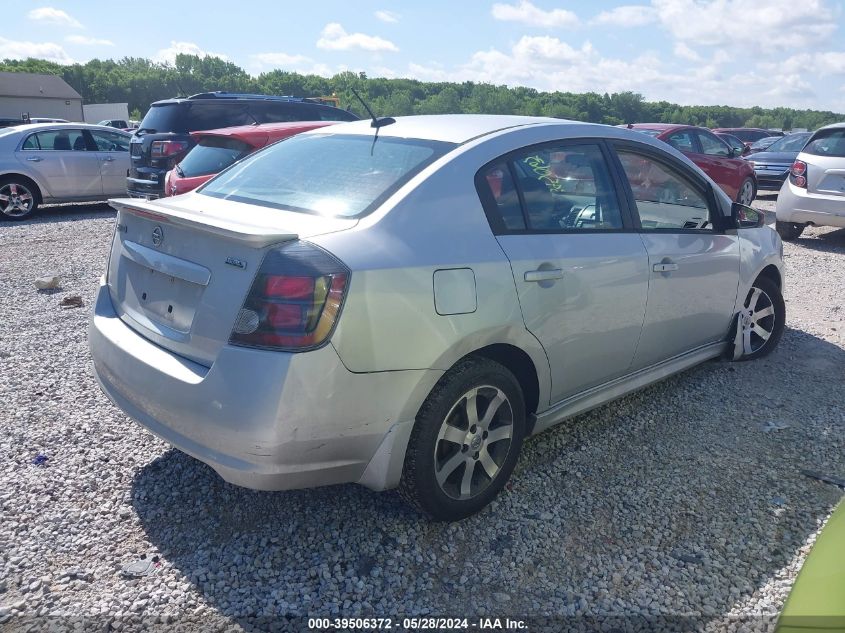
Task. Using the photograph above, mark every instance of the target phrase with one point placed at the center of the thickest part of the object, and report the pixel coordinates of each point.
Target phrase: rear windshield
(789, 143)
(199, 115)
(326, 174)
(827, 143)
(212, 155)
(749, 136)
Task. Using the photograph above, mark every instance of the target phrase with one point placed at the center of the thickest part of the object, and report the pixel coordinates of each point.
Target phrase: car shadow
(705, 501)
(826, 241)
(72, 212)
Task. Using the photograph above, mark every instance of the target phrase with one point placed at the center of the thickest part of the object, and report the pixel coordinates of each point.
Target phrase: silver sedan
(60, 162)
(401, 303)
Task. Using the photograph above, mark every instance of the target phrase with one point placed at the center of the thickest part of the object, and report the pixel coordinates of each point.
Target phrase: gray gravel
(683, 499)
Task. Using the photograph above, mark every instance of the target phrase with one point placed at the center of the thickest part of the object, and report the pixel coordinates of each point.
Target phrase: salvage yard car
(814, 191)
(59, 162)
(772, 166)
(718, 160)
(215, 150)
(401, 303)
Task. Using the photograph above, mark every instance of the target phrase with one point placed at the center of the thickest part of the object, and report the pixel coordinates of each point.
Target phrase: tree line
(140, 81)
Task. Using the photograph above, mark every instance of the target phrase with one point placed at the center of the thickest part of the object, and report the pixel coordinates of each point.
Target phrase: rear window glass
(212, 156)
(827, 143)
(326, 174)
(165, 118)
(789, 143)
(749, 136)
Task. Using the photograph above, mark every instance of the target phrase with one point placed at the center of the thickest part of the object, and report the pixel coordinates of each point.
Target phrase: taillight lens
(294, 301)
(163, 149)
(798, 174)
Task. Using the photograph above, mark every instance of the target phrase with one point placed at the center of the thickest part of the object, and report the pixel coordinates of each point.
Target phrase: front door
(693, 267)
(580, 270)
(113, 152)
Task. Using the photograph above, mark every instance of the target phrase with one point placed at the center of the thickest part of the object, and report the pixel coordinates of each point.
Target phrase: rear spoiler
(254, 235)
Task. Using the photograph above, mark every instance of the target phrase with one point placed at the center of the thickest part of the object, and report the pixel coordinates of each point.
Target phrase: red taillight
(798, 174)
(294, 301)
(163, 149)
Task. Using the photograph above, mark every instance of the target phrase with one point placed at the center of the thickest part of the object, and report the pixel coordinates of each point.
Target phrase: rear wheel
(747, 192)
(789, 231)
(761, 322)
(465, 442)
(18, 198)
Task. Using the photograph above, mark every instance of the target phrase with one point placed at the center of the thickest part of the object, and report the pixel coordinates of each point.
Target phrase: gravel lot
(684, 499)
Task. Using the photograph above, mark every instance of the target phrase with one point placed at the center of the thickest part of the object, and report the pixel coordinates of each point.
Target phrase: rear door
(61, 159)
(693, 267)
(580, 270)
(714, 158)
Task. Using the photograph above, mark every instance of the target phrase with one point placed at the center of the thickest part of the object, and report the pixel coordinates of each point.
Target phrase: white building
(38, 96)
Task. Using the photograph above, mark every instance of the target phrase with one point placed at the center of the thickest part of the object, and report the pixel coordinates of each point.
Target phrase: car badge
(158, 236)
(238, 263)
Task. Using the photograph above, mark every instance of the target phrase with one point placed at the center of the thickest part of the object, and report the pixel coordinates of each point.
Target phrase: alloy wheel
(16, 200)
(757, 320)
(746, 194)
(473, 442)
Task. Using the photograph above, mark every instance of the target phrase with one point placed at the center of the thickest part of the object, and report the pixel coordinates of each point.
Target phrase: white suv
(814, 191)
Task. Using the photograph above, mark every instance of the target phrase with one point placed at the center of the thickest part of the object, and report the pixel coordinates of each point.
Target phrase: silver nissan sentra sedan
(400, 304)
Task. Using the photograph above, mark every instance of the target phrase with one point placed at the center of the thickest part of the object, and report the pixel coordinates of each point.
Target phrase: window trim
(673, 165)
(489, 204)
(92, 142)
(699, 134)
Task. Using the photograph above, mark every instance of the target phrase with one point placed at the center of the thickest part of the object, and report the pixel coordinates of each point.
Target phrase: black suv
(163, 138)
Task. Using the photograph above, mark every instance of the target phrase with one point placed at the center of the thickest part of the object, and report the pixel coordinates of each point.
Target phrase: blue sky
(733, 52)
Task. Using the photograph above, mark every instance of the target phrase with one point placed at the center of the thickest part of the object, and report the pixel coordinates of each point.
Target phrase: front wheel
(465, 442)
(747, 192)
(761, 322)
(789, 231)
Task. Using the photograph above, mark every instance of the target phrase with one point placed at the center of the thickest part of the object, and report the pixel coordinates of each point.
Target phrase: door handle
(34, 159)
(543, 275)
(108, 159)
(664, 268)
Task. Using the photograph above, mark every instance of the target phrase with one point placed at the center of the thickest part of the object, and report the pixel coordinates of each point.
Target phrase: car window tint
(567, 188)
(210, 116)
(31, 142)
(827, 143)
(499, 184)
(62, 140)
(110, 141)
(681, 141)
(664, 198)
(212, 155)
(712, 145)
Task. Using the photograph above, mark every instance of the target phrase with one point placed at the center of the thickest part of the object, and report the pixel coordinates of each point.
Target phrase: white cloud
(527, 13)
(169, 54)
(387, 16)
(685, 52)
(53, 16)
(821, 64)
(87, 41)
(17, 49)
(335, 38)
(783, 24)
(291, 63)
(627, 15)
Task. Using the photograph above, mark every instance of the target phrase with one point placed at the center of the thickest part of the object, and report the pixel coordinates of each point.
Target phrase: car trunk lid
(180, 270)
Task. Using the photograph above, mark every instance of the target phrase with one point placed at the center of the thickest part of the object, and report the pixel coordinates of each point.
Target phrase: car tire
(449, 441)
(763, 319)
(747, 192)
(19, 198)
(789, 231)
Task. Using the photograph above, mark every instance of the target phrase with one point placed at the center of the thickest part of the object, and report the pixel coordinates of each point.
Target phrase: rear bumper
(145, 182)
(262, 420)
(796, 205)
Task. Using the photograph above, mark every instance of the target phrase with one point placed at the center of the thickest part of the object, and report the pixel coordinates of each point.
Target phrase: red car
(217, 149)
(715, 157)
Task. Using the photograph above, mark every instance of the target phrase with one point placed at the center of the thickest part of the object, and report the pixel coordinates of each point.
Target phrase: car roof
(832, 126)
(450, 128)
(34, 127)
(259, 135)
(739, 129)
(655, 126)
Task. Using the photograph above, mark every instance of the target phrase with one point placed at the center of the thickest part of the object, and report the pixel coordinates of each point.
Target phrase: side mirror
(743, 217)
